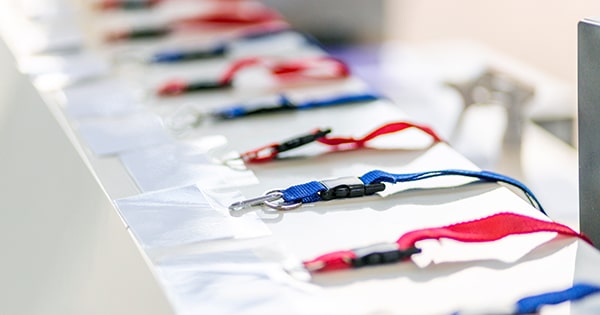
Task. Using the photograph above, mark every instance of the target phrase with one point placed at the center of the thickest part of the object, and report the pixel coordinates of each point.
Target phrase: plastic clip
(302, 140)
(382, 253)
(348, 187)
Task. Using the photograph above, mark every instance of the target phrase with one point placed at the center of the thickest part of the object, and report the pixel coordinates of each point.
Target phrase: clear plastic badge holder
(186, 162)
(183, 216)
(114, 135)
(99, 98)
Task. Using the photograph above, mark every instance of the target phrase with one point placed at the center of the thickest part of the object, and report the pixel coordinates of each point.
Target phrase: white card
(230, 282)
(101, 98)
(111, 136)
(78, 62)
(56, 71)
(184, 163)
(182, 216)
(58, 35)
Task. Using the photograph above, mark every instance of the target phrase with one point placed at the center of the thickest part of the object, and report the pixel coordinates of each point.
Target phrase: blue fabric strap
(532, 304)
(306, 193)
(339, 100)
(283, 103)
(309, 192)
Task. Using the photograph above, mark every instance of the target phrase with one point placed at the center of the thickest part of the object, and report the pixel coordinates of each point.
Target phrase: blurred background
(497, 79)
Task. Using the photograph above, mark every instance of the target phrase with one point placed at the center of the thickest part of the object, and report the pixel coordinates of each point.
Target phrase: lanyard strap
(283, 103)
(372, 182)
(272, 151)
(126, 4)
(232, 13)
(181, 122)
(310, 68)
(532, 304)
(237, 14)
(487, 229)
(219, 49)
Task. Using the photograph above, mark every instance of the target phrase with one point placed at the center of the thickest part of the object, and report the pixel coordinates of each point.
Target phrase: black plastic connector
(348, 187)
(302, 140)
(380, 254)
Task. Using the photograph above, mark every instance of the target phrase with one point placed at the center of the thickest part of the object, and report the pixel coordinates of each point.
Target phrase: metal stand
(589, 127)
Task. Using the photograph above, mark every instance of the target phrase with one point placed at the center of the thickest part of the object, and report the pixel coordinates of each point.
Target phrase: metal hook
(257, 201)
(268, 199)
(281, 206)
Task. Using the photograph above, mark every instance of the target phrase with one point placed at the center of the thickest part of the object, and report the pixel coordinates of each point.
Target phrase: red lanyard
(486, 229)
(271, 151)
(243, 15)
(232, 13)
(303, 69)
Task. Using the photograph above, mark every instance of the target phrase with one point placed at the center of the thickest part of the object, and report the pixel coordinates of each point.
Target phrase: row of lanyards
(295, 70)
(467, 232)
(487, 229)
(270, 152)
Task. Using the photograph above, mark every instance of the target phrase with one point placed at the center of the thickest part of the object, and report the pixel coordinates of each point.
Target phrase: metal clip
(268, 199)
(348, 187)
(256, 201)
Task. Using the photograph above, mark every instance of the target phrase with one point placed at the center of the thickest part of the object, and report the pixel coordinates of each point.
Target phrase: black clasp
(348, 187)
(302, 140)
(383, 253)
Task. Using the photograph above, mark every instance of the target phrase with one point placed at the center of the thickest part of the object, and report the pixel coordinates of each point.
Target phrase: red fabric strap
(338, 260)
(262, 154)
(323, 67)
(383, 130)
(488, 229)
(234, 12)
(270, 152)
(313, 68)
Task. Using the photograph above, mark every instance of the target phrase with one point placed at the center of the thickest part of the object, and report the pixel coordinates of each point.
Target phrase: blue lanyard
(532, 304)
(368, 184)
(173, 56)
(220, 49)
(285, 104)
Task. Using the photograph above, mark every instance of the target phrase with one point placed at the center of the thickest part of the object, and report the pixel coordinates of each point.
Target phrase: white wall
(542, 33)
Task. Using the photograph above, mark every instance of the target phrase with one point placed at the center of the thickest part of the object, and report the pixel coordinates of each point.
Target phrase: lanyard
(271, 151)
(180, 123)
(126, 4)
(368, 184)
(225, 14)
(487, 229)
(219, 49)
(533, 304)
(310, 68)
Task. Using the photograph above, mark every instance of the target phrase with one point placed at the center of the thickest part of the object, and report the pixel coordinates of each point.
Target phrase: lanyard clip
(348, 187)
(270, 152)
(382, 253)
(302, 140)
(377, 254)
